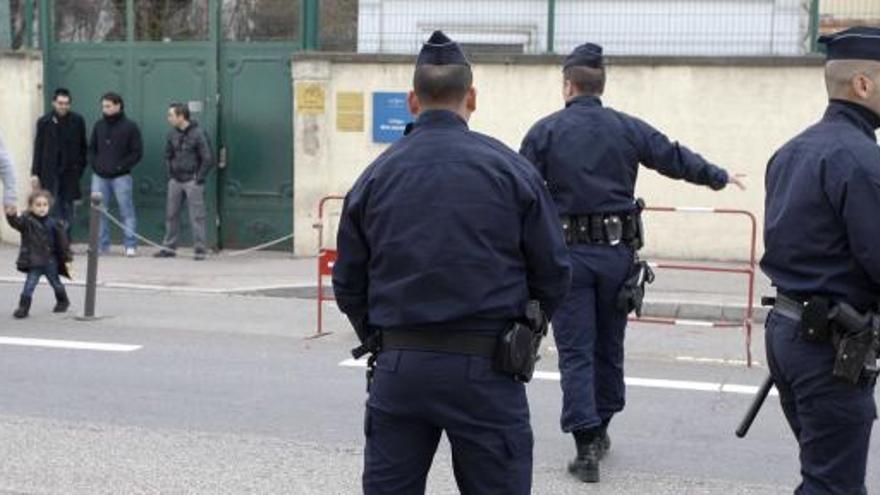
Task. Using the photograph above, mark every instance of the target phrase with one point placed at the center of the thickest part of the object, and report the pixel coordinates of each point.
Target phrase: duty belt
(812, 316)
(786, 306)
(603, 229)
(453, 342)
(855, 335)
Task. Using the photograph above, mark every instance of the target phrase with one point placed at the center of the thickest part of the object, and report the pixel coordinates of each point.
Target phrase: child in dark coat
(45, 251)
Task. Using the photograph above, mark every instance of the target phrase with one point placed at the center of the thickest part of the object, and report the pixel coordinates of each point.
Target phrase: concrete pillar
(311, 108)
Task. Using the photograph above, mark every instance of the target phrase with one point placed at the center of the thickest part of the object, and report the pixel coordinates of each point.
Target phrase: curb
(691, 310)
(678, 309)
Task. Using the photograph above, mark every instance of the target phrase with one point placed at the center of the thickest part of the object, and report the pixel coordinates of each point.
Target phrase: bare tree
(90, 20)
(246, 20)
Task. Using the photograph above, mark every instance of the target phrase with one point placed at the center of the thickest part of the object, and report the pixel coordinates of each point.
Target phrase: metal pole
(92, 270)
(5, 24)
(45, 30)
(29, 24)
(551, 26)
(814, 26)
(312, 25)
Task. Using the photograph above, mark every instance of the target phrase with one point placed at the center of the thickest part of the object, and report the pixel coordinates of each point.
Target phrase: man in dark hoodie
(188, 160)
(114, 150)
(60, 156)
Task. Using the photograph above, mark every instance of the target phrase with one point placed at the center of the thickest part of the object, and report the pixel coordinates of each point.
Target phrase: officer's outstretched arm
(350, 270)
(860, 201)
(673, 160)
(549, 268)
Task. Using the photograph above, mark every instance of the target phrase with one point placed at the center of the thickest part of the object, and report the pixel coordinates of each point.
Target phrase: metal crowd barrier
(327, 257)
(747, 270)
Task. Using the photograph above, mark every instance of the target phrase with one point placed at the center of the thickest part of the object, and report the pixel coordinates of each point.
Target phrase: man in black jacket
(188, 160)
(60, 156)
(114, 150)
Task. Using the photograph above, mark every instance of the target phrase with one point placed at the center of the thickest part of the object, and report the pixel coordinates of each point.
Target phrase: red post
(326, 259)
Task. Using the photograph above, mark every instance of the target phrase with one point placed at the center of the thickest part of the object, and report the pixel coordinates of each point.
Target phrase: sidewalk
(675, 294)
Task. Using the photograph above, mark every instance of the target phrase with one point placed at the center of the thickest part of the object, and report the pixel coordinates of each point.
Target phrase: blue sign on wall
(390, 116)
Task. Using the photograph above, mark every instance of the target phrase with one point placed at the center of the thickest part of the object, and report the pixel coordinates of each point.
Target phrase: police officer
(589, 156)
(442, 241)
(823, 244)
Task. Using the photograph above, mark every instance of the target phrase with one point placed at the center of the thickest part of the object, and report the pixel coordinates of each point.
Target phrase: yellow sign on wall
(310, 99)
(349, 111)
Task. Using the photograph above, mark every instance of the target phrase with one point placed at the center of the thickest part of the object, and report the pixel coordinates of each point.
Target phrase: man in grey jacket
(188, 159)
(7, 176)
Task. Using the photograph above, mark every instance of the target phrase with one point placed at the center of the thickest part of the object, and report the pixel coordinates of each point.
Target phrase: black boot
(585, 466)
(61, 302)
(604, 442)
(604, 439)
(24, 307)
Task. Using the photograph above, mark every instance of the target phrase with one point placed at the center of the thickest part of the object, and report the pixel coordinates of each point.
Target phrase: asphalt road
(223, 394)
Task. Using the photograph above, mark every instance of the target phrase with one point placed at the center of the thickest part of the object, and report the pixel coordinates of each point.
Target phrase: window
(261, 20)
(83, 21)
(171, 20)
(339, 23)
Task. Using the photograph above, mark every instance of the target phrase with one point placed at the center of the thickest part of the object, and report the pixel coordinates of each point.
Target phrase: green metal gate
(230, 64)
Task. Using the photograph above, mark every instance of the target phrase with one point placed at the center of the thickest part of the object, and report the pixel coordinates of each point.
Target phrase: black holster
(632, 294)
(516, 352)
(371, 343)
(634, 227)
(857, 342)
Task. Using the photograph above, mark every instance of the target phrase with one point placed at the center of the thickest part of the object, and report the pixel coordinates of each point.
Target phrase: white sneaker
(130, 252)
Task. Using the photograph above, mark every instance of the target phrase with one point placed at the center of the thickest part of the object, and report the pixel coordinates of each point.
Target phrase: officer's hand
(35, 182)
(737, 180)
(10, 210)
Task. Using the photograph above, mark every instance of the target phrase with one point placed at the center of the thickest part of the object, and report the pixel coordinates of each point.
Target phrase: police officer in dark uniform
(822, 241)
(442, 242)
(589, 155)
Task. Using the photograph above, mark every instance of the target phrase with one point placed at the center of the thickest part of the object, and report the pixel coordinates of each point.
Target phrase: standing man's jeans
(33, 278)
(62, 208)
(122, 189)
(194, 195)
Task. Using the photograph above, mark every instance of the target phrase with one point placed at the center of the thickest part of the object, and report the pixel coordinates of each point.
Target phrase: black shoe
(62, 303)
(24, 307)
(200, 255)
(585, 466)
(165, 253)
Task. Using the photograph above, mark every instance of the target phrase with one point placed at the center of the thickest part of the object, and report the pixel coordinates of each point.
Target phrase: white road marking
(724, 388)
(69, 344)
(178, 288)
(694, 323)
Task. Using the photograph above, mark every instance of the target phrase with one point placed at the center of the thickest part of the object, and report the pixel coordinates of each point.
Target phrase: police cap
(858, 43)
(586, 55)
(440, 50)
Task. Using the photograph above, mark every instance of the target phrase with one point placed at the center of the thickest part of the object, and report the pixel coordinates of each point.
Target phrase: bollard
(92, 270)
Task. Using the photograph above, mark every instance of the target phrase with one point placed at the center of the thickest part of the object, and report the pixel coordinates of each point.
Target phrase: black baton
(752, 413)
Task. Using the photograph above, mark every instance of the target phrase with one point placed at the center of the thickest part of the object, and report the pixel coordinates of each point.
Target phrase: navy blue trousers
(589, 331)
(831, 419)
(62, 207)
(415, 396)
